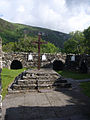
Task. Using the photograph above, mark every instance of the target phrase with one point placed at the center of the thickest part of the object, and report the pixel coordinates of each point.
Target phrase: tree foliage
(26, 45)
(75, 44)
(87, 40)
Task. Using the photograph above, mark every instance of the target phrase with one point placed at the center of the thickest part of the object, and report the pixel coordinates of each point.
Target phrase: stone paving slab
(44, 106)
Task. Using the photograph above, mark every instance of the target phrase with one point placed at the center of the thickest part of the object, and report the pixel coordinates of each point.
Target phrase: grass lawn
(86, 88)
(73, 75)
(8, 77)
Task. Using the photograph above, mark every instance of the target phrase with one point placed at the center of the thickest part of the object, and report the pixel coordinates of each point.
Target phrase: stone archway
(16, 64)
(58, 65)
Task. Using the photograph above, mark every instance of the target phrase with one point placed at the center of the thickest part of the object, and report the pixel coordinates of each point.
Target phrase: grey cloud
(77, 2)
(61, 15)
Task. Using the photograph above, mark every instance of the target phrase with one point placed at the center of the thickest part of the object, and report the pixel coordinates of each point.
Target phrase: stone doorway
(58, 65)
(16, 64)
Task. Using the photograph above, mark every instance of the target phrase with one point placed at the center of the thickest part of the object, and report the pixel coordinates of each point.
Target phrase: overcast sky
(60, 15)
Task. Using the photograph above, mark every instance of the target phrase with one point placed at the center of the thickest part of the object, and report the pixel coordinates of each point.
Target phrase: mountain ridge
(11, 32)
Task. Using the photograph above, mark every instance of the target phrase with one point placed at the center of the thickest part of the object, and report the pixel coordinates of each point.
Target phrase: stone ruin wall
(7, 58)
(76, 65)
(23, 58)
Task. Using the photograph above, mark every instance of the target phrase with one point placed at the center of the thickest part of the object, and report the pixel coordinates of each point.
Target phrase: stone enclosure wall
(79, 63)
(22, 57)
(11, 60)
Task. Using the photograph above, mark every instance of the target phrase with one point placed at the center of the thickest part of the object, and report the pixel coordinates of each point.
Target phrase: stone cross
(39, 43)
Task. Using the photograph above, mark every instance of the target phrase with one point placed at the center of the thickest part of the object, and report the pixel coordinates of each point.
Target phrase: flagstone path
(54, 105)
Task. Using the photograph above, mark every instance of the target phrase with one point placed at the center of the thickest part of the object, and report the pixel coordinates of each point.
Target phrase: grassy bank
(7, 78)
(73, 75)
(86, 88)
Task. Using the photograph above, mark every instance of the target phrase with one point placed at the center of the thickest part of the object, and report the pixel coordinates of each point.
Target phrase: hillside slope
(11, 32)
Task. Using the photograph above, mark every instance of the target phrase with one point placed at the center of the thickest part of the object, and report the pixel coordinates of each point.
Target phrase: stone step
(25, 82)
(24, 87)
(30, 87)
(34, 81)
(59, 84)
(62, 84)
(42, 72)
(61, 81)
(50, 86)
(38, 74)
(55, 84)
(40, 86)
(40, 77)
(10, 91)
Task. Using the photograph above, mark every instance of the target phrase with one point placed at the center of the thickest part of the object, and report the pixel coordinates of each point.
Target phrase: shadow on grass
(73, 74)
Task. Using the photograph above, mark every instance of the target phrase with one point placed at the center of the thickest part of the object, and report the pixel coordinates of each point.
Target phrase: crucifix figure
(39, 43)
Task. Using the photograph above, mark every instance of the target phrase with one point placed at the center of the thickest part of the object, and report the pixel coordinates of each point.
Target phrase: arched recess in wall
(83, 67)
(58, 65)
(16, 64)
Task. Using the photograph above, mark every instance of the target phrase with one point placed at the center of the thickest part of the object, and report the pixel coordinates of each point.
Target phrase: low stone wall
(80, 63)
(23, 58)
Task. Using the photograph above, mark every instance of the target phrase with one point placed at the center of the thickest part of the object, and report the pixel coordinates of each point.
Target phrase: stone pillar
(0, 52)
(0, 61)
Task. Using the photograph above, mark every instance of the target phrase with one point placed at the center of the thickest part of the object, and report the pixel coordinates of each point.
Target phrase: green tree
(49, 48)
(8, 47)
(87, 40)
(75, 44)
(25, 45)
